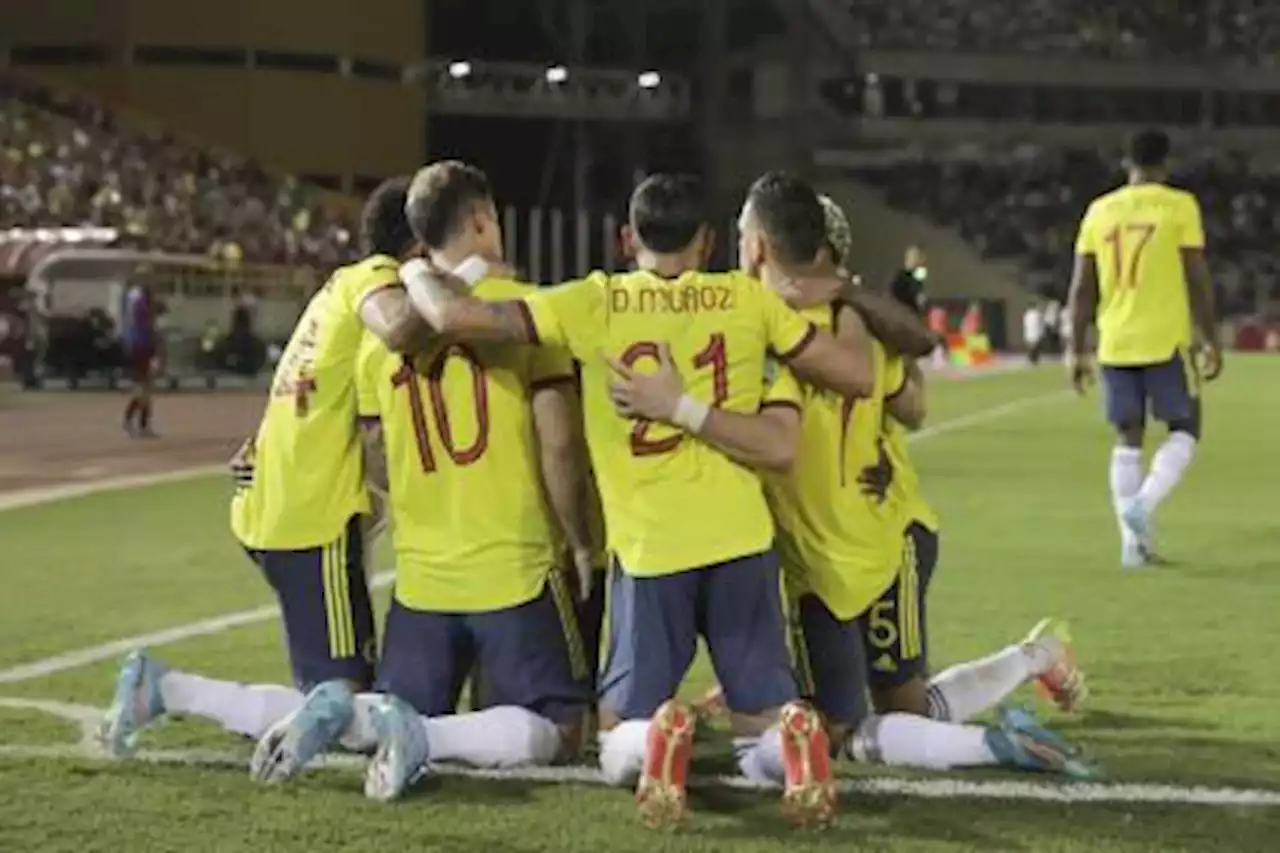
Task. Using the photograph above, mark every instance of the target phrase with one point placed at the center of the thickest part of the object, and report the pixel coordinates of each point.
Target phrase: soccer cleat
(661, 797)
(402, 754)
(295, 741)
(1132, 554)
(1022, 743)
(1063, 683)
(137, 703)
(809, 794)
(1137, 525)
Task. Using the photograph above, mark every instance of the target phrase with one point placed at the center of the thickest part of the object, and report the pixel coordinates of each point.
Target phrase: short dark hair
(1149, 148)
(667, 210)
(790, 214)
(384, 228)
(441, 195)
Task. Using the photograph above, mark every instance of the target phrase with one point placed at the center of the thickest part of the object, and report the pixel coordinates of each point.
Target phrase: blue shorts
(324, 599)
(894, 626)
(529, 655)
(1170, 390)
(831, 661)
(654, 624)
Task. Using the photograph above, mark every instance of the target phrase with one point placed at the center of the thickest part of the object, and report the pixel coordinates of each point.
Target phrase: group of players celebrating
(724, 453)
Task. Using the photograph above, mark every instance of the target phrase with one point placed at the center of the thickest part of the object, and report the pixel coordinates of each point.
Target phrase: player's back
(307, 480)
(672, 502)
(1136, 235)
(471, 526)
(837, 536)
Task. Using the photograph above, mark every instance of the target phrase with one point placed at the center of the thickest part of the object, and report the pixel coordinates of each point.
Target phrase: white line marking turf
(1049, 792)
(217, 624)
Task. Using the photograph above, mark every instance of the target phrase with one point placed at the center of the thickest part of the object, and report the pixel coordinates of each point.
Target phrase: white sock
(495, 738)
(965, 690)
(1167, 467)
(622, 750)
(247, 709)
(1126, 479)
(360, 735)
(906, 740)
(760, 758)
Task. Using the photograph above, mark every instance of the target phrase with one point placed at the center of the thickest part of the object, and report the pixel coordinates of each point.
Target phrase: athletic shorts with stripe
(530, 656)
(894, 628)
(324, 599)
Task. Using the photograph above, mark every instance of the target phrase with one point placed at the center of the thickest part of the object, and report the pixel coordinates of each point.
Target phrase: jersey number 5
(713, 355)
(1132, 238)
(411, 380)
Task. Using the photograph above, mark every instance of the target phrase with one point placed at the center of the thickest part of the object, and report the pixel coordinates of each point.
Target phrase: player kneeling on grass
(840, 533)
(300, 508)
(483, 462)
(681, 573)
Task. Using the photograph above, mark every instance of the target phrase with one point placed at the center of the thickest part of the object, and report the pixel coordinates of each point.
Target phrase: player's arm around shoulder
(900, 329)
(905, 397)
(842, 362)
(444, 300)
(389, 314)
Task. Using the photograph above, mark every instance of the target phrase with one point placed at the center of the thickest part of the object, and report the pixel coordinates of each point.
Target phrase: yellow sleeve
(895, 376)
(788, 332)
(373, 275)
(566, 315)
(783, 390)
(1190, 225)
(1086, 244)
(368, 371)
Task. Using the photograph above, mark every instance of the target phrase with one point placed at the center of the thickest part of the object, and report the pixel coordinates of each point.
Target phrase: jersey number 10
(409, 378)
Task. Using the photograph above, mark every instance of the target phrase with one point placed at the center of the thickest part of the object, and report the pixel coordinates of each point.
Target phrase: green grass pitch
(1186, 688)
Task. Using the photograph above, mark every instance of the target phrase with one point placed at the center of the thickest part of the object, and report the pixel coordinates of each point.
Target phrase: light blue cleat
(402, 753)
(291, 744)
(136, 704)
(1021, 742)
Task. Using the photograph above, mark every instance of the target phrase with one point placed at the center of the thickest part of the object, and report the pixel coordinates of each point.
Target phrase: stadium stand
(66, 161)
(1246, 31)
(1024, 205)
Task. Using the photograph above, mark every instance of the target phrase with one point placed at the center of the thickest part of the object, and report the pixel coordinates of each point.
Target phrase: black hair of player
(666, 211)
(384, 228)
(1149, 149)
(441, 196)
(790, 214)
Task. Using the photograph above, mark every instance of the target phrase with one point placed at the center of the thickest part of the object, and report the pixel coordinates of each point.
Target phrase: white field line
(217, 624)
(86, 717)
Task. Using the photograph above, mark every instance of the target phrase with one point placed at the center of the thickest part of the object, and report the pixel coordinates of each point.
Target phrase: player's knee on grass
(831, 665)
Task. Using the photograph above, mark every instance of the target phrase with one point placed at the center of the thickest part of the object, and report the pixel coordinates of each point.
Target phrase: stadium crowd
(65, 160)
(1246, 31)
(1024, 205)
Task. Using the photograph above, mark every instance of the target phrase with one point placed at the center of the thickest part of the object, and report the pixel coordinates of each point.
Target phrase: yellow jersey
(834, 539)
(471, 529)
(307, 475)
(672, 502)
(906, 481)
(1135, 235)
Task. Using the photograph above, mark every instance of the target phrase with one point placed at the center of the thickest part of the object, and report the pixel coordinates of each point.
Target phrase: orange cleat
(1063, 683)
(809, 798)
(661, 796)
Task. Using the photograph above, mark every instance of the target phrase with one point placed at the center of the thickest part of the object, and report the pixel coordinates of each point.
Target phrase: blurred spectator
(908, 285)
(64, 160)
(1245, 31)
(1026, 204)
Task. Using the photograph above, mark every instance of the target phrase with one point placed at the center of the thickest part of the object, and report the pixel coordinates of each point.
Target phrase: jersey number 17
(1132, 239)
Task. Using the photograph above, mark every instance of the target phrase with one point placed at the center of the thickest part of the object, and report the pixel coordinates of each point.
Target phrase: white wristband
(422, 290)
(472, 269)
(690, 414)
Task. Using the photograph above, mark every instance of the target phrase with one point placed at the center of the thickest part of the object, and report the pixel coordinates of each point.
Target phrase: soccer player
(300, 498)
(679, 574)
(897, 653)
(138, 336)
(840, 530)
(472, 436)
(1140, 268)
